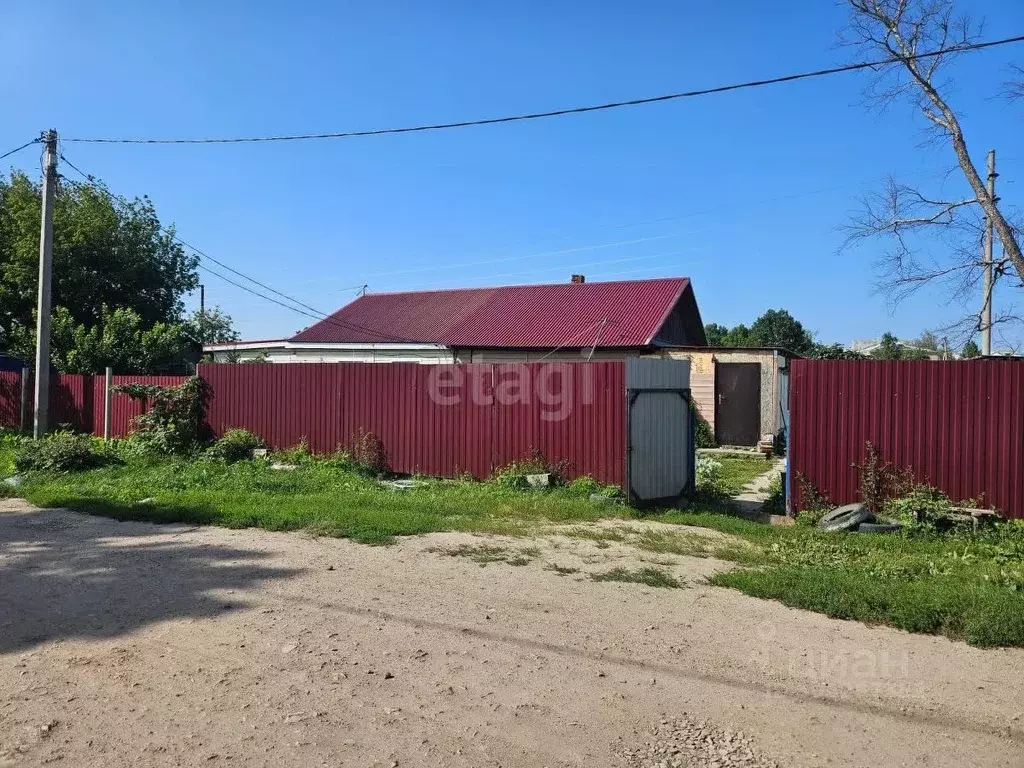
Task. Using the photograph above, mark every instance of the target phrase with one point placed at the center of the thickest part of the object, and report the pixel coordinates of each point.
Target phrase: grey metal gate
(660, 450)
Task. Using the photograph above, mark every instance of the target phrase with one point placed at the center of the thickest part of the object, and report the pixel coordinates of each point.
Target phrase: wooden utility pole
(988, 283)
(42, 393)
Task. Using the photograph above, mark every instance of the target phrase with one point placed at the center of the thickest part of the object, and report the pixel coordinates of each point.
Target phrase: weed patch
(489, 553)
(561, 570)
(651, 577)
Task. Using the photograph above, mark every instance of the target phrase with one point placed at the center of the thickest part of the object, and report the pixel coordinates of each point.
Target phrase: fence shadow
(65, 575)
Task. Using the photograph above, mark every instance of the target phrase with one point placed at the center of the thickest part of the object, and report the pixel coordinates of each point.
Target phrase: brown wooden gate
(737, 403)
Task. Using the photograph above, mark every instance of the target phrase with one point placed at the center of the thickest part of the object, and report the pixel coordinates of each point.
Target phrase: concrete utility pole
(987, 280)
(42, 393)
(202, 313)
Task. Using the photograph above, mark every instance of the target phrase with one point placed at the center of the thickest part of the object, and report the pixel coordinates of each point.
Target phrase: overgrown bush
(703, 435)
(59, 452)
(709, 475)
(513, 474)
(297, 454)
(368, 452)
(340, 459)
(584, 485)
(173, 418)
(775, 504)
(236, 445)
(880, 481)
(813, 503)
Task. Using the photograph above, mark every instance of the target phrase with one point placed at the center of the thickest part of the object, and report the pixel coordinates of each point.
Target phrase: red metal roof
(627, 313)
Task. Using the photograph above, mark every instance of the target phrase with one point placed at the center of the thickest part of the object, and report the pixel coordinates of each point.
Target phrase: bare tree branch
(934, 240)
(1014, 89)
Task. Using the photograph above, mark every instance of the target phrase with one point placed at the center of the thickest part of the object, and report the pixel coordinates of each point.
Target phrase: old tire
(846, 518)
(879, 528)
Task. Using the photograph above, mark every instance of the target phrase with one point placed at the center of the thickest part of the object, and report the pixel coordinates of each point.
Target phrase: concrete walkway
(752, 497)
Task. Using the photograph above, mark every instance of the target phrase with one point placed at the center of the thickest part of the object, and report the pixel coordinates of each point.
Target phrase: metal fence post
(108, 400)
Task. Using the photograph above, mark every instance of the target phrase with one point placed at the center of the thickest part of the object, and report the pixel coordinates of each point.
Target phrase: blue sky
(743, 192)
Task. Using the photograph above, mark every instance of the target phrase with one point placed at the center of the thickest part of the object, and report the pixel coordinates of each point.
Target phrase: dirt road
(127, 644)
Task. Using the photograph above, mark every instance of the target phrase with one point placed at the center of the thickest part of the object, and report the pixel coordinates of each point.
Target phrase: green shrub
(340, 459)
(775, 504)
(921, 505)
(172, 422)
(59, 452)
(368, 453)
(709, 474)
(703, 435)
(513, 474)
(584, 485)
(814, 504)
(297, 454)
(880, 481)
(236, 445)
(9, 442)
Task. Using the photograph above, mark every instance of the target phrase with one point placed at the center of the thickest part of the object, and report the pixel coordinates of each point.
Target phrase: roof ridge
(516, 285)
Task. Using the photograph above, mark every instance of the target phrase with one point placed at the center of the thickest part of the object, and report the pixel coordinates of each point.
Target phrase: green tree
(775, 328)
(716, 334)
(834, 352)
(970, 350)
(888, 349)
(778, 328)
(212, 327)
(107, 252)
(120, 340)
(891, 348)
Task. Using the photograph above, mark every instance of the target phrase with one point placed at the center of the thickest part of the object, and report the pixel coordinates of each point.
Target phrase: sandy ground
(128, 644)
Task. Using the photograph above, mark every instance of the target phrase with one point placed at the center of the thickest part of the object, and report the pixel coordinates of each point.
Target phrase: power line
(570, 110)
(18, 149)
(306, 310)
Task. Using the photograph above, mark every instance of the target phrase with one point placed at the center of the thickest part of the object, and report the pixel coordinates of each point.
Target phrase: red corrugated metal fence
(957, 425)
(435, 420)
(10, 399)
(76, 401)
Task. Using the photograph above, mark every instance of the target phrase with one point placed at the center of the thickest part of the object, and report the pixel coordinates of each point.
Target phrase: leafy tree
(107, 252)
(970, 350)
(120, 340)
(212, 327)
(716, 334)
(778, 328)
(892, 348)
(927, 340)
(834, 352)
(888, 349)
(775, 328)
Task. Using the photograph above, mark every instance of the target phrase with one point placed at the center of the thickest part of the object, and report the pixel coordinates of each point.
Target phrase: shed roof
(627, 313)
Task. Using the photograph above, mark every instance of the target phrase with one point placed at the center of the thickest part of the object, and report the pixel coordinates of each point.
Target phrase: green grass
(968, 587)
(318, 497)
(651, 577)
(738, 471)
(7, 443)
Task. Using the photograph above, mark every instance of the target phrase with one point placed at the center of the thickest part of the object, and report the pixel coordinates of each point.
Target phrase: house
(741, 393)
(516, 323)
